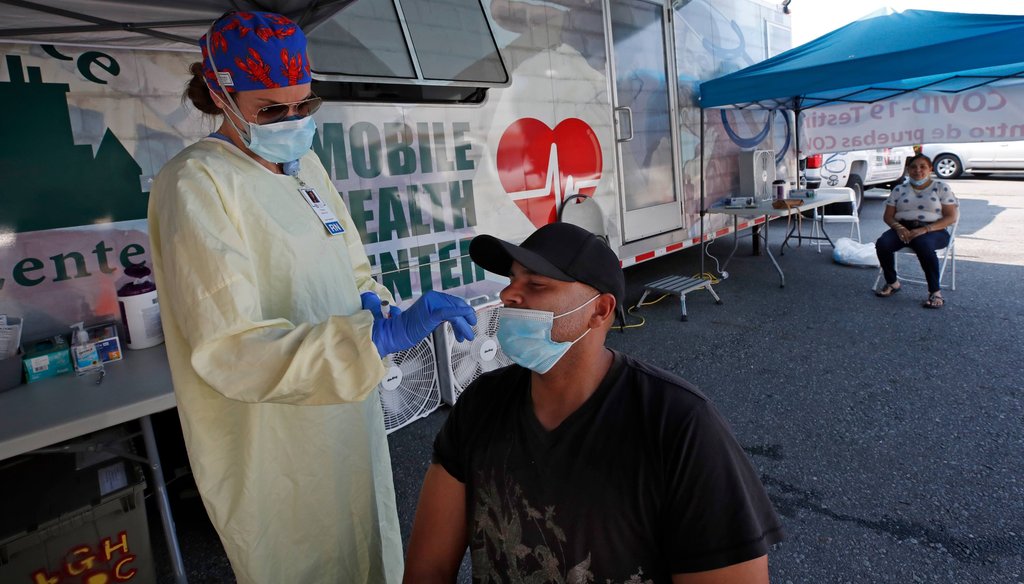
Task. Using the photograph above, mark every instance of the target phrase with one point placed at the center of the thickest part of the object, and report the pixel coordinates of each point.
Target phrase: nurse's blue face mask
(282, 141)
(525, 336)
(278, 141)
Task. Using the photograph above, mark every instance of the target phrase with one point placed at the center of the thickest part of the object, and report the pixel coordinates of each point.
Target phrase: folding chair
(853, 218)
(947, 256)
(582, 211)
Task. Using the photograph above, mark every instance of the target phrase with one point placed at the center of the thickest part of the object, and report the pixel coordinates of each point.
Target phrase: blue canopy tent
(878, 58)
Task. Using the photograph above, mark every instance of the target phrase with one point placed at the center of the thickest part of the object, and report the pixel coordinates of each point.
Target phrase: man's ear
(604, 310)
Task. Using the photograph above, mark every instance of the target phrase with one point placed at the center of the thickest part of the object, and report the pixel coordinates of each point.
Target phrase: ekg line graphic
(551, 182)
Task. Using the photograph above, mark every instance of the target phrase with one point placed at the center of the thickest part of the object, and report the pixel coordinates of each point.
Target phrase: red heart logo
(540, 167)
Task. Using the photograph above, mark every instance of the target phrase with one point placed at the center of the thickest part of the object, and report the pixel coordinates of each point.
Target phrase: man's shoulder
(653, 381)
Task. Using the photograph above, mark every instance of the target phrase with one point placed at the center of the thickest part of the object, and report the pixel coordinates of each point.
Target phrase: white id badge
(323, 212)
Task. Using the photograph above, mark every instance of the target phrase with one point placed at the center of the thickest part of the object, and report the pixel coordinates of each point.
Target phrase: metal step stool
(680, 286)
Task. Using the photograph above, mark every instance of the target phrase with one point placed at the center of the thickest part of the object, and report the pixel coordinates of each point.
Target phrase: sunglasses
(279, 111)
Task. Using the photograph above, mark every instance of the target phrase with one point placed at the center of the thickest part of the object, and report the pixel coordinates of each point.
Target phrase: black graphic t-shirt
(643, 481)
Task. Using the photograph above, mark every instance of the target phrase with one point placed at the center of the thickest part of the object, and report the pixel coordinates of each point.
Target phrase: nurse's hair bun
(198, 93)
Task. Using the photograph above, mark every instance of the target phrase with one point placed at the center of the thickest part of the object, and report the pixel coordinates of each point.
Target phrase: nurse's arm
(751, 572)
(439, 536)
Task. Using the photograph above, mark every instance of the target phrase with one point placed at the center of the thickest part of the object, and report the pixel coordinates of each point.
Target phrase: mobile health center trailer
(443, 119)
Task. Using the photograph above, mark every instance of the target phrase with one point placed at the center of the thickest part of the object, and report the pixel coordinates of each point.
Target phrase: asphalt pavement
(889, 437)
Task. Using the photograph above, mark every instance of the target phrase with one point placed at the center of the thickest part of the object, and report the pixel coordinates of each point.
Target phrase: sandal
(887, 291)
(934, 301)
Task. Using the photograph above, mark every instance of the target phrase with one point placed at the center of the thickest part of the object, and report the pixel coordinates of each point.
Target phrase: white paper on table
(112, 478)
(10, 336)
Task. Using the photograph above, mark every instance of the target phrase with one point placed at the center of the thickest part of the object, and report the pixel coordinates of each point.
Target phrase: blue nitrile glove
(402, 330)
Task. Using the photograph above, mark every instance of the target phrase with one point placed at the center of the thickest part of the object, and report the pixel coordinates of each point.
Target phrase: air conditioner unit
(409, 390)
(466, 361)
(757, 172)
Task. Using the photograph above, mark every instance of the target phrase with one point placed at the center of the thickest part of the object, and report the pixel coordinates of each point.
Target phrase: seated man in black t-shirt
(579, 463)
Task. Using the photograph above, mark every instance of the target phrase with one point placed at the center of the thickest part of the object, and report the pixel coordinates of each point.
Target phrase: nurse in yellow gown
(263, 283)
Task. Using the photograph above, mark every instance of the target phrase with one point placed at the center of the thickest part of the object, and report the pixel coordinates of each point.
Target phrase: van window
(432, 42)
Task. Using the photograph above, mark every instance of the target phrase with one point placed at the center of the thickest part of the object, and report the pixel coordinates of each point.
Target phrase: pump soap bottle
(84, 355)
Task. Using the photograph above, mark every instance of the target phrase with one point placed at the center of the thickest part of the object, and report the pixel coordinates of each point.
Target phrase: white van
(977, 158)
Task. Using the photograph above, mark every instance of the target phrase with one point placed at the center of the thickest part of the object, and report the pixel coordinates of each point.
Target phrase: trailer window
(776, 39)
(363, 39)
(453, 41)
(413, 42)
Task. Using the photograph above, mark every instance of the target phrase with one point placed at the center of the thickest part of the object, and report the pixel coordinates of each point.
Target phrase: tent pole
(702, 211)
(796, 132)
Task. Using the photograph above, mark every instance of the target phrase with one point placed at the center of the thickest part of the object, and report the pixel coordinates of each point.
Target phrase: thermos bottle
(140, 309)
(779, 189)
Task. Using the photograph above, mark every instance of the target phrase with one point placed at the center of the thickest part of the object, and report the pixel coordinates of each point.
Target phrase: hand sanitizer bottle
(84, 356)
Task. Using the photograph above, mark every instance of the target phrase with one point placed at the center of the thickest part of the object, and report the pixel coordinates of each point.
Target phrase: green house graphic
(49, 181)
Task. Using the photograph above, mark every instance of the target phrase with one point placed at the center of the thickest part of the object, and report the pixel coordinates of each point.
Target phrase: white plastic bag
(850, 253)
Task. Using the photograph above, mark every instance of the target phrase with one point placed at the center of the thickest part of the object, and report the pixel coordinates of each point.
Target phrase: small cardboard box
(46, 358)
(108, 345)
(10, 371)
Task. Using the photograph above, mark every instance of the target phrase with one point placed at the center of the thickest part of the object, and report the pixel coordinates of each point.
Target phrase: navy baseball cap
(561, 251)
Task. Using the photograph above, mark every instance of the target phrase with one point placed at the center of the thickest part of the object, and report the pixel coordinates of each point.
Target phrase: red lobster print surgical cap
(254, 50)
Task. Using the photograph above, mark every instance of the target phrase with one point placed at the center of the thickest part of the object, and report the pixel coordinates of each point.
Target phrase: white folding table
(766, 210)
(46, 412)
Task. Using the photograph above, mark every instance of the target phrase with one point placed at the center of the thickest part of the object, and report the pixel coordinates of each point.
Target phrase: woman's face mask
(282, 141)
(525, 336)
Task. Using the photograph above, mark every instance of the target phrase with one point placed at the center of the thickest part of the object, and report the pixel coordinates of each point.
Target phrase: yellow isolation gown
(274, 370)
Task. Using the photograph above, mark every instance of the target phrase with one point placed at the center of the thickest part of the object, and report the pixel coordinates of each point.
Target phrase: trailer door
(644, 98)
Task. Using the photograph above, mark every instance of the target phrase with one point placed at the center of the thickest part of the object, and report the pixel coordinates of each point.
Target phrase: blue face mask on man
(525, 336)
